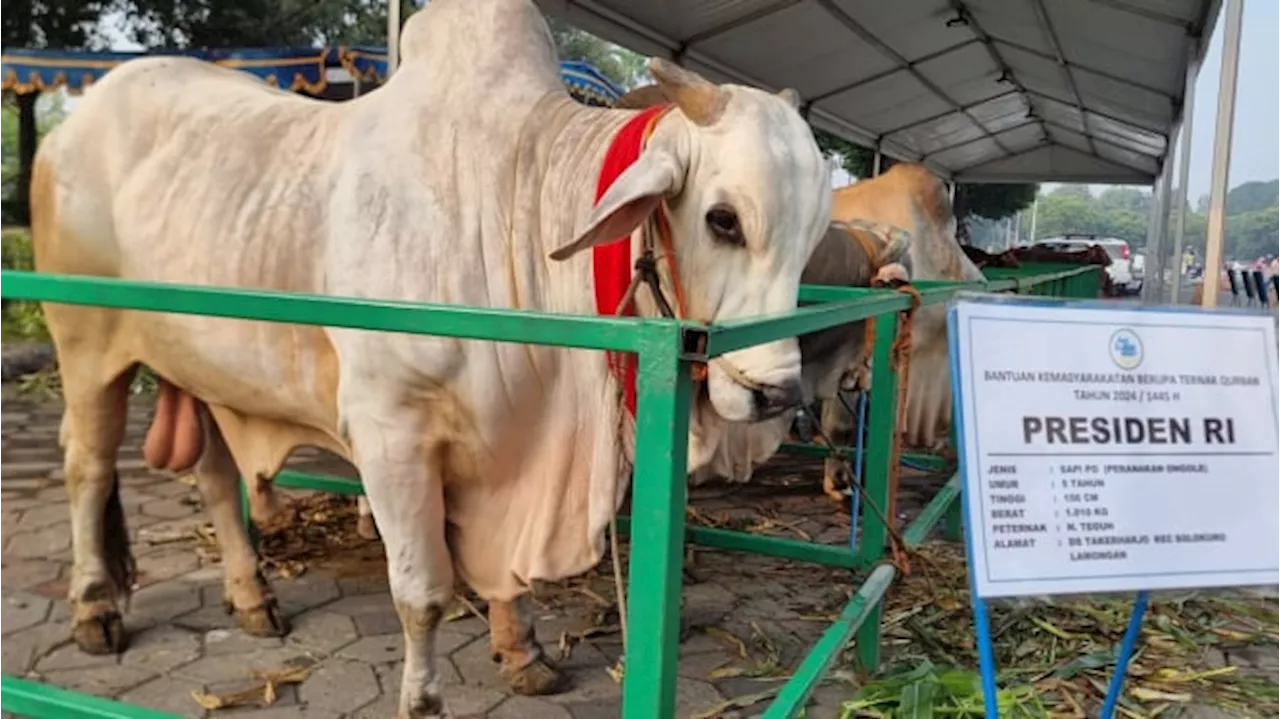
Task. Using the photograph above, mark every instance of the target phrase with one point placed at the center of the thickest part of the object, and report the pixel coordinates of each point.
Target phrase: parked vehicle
(1137, 267)
(1126, 272)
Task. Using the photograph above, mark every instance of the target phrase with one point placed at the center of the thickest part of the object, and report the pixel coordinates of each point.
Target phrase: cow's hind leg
(265, 508)
(832, 468)
(245, 591)
(522, 663)
(365, 526)
(102, 570)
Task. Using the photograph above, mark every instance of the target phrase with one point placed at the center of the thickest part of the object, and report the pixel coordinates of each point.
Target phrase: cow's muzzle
(772, 400)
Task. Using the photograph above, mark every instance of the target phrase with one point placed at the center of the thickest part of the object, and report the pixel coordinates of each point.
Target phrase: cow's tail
(121, 566)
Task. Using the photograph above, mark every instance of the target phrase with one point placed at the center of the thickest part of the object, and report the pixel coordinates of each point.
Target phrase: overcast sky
(1255, 145)
(1255, 151)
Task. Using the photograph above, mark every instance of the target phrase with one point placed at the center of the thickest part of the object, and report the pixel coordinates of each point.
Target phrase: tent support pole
(1151, 288)
(1184, 172)
(1162, 228)
(1234, 11)
(393, 36)
(875, 163)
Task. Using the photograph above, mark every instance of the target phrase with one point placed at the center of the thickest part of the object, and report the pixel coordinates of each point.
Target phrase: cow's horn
(700, 101)
(641, 98)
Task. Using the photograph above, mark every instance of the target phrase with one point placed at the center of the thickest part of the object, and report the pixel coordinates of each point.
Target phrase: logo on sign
(1126, 349)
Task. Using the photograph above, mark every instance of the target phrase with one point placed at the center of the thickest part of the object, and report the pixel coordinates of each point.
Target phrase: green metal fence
(659, 490)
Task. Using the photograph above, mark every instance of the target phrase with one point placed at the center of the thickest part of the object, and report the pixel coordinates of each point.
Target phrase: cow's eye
(723, 223)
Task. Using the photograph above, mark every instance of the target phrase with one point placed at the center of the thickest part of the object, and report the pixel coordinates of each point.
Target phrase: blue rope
(856, 495)
(855, 498)
(916, 466)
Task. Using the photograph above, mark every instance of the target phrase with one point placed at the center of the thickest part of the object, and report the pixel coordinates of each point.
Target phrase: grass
(22, 319)
(1056, 658)
(927, 690)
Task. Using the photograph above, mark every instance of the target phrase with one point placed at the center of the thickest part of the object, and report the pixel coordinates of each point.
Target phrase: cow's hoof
(536, 678)
(263, 620)
(102, 634)
(427, 706)
(366, 528)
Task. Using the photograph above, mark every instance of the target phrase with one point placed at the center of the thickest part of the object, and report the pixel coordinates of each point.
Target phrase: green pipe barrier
(659, 487)
(334, 484)
(590, 332)
(926, 461)
(795, 693)
(36, 700)
(828, 555)
(933, 512)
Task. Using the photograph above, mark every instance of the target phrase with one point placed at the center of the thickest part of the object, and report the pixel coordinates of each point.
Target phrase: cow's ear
(632, 198)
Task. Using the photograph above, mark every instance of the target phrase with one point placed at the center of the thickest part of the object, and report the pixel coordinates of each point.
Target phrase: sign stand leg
(986, 657)
(1126, 653)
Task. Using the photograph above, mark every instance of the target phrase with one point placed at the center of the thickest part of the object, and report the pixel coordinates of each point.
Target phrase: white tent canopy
(1086, 91)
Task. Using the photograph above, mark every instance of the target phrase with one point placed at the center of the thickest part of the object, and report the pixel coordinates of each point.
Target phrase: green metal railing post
(882, 421)
(879, 463)
(658, 499)
(953, 523)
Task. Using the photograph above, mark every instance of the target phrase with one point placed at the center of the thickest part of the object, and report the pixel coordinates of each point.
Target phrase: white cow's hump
(482, 50)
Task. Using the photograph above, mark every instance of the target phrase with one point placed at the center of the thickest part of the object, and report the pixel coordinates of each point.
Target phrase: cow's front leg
(523, 664)
(404, 487)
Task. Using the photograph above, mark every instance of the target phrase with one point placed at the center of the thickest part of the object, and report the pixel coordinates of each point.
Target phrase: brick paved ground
(344, 627)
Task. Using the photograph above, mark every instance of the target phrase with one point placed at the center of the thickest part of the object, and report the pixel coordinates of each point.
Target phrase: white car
(1126, 275)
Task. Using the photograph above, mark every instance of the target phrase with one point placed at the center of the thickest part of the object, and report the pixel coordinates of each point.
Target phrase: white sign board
(1116, 449)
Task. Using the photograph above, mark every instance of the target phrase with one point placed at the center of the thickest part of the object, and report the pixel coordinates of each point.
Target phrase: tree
(266, 23)
(990, 201)
(1252, 196)
(993, 201)
(1125, 198)
(49, 23)
(1251, 231)
(156, 24)
(855, 159)
(624, 67)
(1077, 191)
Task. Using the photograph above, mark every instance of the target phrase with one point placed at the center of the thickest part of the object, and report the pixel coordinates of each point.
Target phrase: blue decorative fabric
(289, 68)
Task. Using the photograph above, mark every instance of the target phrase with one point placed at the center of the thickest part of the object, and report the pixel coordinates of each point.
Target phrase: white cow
(453, 183)
(909, 197)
